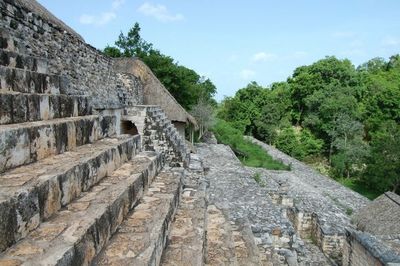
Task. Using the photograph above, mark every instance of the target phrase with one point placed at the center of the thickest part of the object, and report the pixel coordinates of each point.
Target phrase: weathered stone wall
(157, 132)
(41, 46)
(365, 249)
(154, 93)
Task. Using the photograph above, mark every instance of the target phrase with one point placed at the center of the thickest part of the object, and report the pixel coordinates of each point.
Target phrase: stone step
(168, 128)
(220, 244)
(24, 107)
(161, 120)
(77, 233)
(29, 142)
(25, 81)
(155, 111)
(141, 238)
(186, 242)
(32, 193)
(15, 60)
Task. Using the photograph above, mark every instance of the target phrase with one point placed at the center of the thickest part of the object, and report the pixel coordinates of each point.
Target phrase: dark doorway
(127, 127)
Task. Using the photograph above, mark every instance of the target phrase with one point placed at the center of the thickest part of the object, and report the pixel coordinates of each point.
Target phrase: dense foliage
(249, 154)
(183, 83)
(330, 111)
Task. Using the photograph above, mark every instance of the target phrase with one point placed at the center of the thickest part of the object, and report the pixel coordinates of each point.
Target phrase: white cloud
(263, 57)
(103, 18)
(391, 41)
(159, 12)
(247, 74)
(116, 4)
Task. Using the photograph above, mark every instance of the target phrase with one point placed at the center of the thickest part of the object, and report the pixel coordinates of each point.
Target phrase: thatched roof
(41, 11)
(154, 92)
(381, 216)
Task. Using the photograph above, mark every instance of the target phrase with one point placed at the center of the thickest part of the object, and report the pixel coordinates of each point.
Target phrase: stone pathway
(310, 179)
(186, 241)
(245, 227)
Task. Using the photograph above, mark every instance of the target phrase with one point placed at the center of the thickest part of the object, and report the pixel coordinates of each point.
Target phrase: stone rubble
(237, 201)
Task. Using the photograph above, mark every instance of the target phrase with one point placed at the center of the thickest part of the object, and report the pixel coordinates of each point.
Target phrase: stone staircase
(158, 133)
(73, 190)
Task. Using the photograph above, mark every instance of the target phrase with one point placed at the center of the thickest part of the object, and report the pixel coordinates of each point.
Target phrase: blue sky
(235, 42)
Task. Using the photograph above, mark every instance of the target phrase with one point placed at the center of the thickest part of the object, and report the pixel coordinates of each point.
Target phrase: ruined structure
(94, 170)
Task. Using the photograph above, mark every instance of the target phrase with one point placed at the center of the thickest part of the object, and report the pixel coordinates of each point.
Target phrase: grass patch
(359, 187)
(249, 154)
(321, 165)
(258, 179)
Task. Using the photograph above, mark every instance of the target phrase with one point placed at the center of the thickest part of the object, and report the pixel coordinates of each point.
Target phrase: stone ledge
(32, 193)
(25, 81)
(76, 234)
(30, 107)
(29, 142)
(142, 236)
(374, 248)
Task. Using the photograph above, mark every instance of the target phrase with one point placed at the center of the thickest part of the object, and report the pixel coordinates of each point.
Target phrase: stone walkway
(245, 227)
(310, 179)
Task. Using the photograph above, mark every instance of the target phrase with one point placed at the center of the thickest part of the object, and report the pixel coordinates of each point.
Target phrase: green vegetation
(183, 83)
(349, 211)
(331, 112)
(359, 187)
(258, 179)
(250, 154)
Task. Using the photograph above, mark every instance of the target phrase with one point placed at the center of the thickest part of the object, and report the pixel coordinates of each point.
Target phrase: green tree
(244, 108)
(383, 165)
(112, 51)
(351, 150)
(322, 75)
(183, 83)
(299, 143)
(275, 112)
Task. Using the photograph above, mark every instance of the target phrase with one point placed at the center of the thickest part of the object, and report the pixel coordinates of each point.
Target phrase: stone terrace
(319, 207)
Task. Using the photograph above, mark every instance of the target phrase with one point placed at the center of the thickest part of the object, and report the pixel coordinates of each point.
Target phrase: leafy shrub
(249, 153)
(299, 144)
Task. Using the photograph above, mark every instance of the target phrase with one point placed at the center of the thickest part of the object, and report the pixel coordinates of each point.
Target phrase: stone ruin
(95, 169)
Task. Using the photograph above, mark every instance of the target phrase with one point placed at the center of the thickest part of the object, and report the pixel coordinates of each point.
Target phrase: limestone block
(25, 81)
(6, 109)
(33, 107)
(19, 109)
(42, 142)
(14, 148)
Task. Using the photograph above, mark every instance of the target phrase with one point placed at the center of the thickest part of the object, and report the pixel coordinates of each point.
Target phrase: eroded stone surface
(34, 192)
(141, 239)
(186, 242)
(264, 234)
(158, 133)
(76, 234)
(22, 107)
(32, 141)
(318, 207)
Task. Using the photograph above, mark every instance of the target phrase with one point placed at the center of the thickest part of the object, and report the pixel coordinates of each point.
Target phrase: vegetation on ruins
(348, 118)
(250, 154)
(329, 113)
(183, 83)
